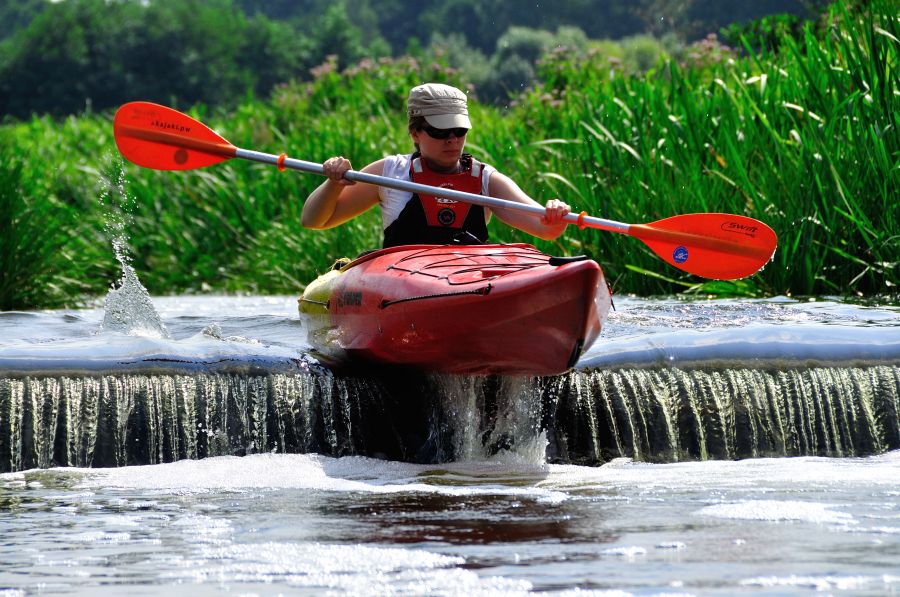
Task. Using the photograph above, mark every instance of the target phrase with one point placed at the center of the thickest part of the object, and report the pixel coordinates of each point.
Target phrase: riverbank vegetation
(68, 56)
(795, 124)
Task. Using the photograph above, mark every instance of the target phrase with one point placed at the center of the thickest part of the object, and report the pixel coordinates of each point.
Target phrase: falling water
(472, 418)
(584, 417)
(669, 415)
(118, 420)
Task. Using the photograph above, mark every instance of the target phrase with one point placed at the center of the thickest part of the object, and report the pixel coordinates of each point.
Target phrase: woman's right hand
(335, 168)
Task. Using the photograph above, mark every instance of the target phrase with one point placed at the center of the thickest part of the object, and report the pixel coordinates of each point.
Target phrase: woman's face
(444, 153)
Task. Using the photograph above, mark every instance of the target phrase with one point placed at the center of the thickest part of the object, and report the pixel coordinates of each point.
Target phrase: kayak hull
(482, 309)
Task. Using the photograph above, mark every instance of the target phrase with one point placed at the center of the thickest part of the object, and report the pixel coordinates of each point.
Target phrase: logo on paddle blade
(680, 255)
(170, 126)
(740, 228)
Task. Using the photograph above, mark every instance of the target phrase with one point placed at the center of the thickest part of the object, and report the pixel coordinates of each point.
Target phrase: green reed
(48, 236)
(805, 139)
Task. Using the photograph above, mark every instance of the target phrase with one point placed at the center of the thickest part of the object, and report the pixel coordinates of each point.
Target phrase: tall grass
(41, 261)
(805, 139)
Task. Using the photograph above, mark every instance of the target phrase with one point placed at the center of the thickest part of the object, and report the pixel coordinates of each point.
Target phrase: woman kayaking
(438, 125)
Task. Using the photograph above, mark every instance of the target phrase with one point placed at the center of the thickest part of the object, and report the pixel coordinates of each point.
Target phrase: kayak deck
(472, 309)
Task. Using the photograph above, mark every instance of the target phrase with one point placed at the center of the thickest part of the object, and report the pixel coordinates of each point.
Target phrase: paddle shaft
(414, 187)
(226, 150)
(636, 230)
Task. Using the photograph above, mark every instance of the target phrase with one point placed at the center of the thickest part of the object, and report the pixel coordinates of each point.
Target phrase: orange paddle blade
(158, 137)
(711, 245)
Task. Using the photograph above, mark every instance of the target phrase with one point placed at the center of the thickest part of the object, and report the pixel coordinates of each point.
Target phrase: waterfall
(116, 420)
(667, 415)
(583, 417)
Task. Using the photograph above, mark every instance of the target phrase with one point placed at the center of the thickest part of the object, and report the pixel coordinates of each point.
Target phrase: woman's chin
(444, 161)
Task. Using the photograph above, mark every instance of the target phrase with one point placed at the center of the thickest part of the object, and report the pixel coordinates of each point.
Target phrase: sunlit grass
(805, 140)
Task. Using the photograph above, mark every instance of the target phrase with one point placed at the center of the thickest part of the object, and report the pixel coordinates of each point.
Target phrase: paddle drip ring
(280, 162)
(581, 225)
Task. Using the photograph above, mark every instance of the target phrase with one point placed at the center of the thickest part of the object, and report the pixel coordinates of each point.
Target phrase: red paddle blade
(716, 246)
(158, 137)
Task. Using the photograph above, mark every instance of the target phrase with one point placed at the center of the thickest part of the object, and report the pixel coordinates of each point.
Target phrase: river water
(700, 448)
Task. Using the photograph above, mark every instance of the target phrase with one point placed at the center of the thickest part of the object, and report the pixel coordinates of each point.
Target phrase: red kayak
(469, 309)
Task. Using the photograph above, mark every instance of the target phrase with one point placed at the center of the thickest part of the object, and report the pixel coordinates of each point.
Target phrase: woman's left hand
(556, 211)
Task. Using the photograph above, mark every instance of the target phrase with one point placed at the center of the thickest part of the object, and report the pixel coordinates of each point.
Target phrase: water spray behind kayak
(491, 418)
(128, 308)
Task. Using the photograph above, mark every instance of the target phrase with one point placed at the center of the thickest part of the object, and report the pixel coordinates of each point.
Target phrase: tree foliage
(16, 14)
(78, 55)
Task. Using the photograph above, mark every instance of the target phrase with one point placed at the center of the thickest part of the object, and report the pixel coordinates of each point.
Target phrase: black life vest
(428, 220)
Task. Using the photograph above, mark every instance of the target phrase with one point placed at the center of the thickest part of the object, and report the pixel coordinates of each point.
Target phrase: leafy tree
(54, 66)
(514, 64)
(16, 14)
(79, 54)
(571, 38)
(336, 35)
(641, 52)
(695, 19)
(453, 50)
(524, 42)
(510, 77)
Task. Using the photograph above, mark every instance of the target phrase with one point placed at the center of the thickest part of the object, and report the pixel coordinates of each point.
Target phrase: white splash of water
(511, 433)
(127, 308)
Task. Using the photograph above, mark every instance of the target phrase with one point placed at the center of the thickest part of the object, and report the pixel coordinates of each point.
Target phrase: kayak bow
(476, 309)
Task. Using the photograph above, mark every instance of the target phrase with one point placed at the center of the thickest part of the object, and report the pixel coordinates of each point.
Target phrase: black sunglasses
(444, 133)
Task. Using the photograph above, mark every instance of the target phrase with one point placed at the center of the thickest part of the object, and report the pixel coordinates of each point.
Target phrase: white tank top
(393, 201)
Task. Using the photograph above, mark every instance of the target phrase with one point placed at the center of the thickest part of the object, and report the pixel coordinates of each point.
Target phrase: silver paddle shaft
(414, 187)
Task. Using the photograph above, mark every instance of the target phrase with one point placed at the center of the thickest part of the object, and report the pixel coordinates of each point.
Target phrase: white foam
(778, 511)
(128, 309)
(880, 471)
(356, 569)
(630, 551)
(316, 472)
(602, 593)
(553, 483)
(101, 537)
(817, 583)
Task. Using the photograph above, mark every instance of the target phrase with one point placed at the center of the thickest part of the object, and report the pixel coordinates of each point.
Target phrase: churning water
(743, 447)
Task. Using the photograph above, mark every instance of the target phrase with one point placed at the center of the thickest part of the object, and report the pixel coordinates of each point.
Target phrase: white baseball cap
(442, 106)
